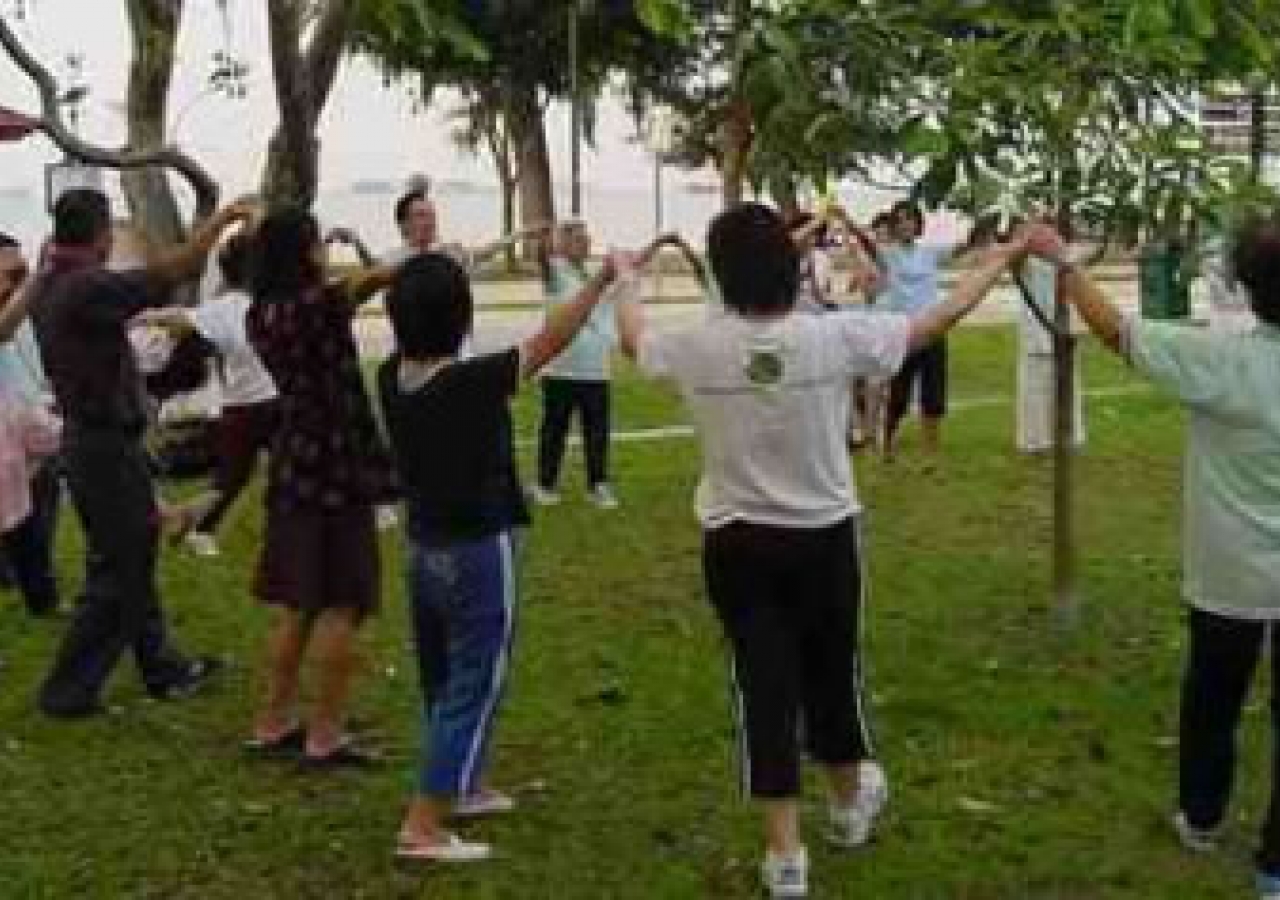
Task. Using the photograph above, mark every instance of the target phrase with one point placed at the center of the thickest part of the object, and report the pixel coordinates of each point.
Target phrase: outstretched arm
(966, 295)
(348, 237)
(483, 254)
(14, 313)
(360, 286)
(186, 262)
(563, 322)
(1096, 309)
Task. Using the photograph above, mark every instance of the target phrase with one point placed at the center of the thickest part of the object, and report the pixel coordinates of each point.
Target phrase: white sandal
(452, 850)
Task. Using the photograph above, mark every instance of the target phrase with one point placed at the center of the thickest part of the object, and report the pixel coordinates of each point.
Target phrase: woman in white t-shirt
(248, 410)
(768, 391)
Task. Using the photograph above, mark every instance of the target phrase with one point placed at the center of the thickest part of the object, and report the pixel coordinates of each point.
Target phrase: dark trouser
(790, 603)
(560, 398)
(928, 366)
(28, 548)
(1220, 664)
(243, 431)
(110, 486)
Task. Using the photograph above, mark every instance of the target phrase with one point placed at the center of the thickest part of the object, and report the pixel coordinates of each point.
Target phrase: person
(319, 565)
(1226, 381)
(578, 379)
(465, 512)
(767, 389)
(247, 416)
(80, 311)
(817, 269)
(1036, 377)
(26, 547)
(911, 270)
(418, 222)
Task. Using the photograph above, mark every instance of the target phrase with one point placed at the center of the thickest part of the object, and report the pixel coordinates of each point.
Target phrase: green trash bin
(1166, 285)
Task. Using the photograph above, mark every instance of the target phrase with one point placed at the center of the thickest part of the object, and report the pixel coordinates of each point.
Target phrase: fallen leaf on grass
(977, 807)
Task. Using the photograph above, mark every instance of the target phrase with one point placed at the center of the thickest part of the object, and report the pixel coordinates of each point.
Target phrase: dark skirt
(316, 559)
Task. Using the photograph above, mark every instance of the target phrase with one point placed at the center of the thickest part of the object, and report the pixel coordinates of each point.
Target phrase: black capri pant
(790, 603)
(928, 366)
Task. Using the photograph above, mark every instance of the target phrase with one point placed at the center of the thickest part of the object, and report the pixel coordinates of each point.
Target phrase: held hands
(1043, 240)
(341, 236)
(242, 212)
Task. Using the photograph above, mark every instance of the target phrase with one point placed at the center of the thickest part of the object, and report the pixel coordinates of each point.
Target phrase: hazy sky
(370, 130)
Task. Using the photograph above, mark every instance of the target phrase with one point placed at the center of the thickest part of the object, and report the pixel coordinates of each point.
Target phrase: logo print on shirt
(764, 365)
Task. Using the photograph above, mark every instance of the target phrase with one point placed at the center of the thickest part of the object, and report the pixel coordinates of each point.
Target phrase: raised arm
(968, 292)
(186, 262)
(484, 253)
(1096, 309)
(363, 284)
(349, 238)
(563, 322)
(14, 313)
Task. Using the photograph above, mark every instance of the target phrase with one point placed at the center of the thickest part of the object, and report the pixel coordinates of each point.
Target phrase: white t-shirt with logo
(220, 321)
(770, 401)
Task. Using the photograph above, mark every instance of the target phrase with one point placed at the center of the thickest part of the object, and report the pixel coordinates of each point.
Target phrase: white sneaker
(1197, 840)
(786, 876)
(452, 850)
(851, 826)
(487, 803)
(603, 497)
(387, 517)
(544, 497)
(202, 544)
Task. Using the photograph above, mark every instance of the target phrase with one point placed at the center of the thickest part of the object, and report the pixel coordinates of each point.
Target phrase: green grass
(1024, 764)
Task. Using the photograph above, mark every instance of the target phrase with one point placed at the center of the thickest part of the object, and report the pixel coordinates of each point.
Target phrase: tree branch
(324, 51)
(52, 125)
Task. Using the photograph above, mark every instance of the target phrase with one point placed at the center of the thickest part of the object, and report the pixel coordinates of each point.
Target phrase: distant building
(1227, 118)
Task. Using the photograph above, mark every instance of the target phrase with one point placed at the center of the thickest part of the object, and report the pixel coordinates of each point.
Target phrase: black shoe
(189, 680)
(85, 709)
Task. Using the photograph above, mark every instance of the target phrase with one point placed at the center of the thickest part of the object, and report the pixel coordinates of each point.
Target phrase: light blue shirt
(911, 276)
(587, 356)
(1231, 490)
(21, 372)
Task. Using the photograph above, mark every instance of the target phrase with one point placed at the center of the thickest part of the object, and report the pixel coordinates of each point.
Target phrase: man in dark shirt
(81, 311)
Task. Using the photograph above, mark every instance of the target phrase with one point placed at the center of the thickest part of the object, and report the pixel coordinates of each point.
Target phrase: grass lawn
(1023, 764)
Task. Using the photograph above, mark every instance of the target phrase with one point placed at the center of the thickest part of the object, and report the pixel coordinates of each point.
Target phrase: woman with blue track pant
(450, 429)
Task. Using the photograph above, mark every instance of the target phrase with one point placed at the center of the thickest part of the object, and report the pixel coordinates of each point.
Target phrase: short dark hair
(283, 259)
(235, 261)
(8, 241)
(80, 217)
(430, 306)
(1255, 262)
(754, 260)
(407, 199)
(912, 210)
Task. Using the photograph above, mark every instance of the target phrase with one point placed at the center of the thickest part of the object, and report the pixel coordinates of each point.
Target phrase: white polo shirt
(770, 401)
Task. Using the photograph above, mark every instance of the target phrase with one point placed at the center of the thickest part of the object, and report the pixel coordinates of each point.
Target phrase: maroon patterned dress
(329, 465)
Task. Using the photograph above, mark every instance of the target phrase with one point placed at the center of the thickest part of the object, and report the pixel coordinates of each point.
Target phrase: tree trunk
(735, 149)
(1066, 599)
(528, 132)
(304, 76)
(509, 187)
(154, 26)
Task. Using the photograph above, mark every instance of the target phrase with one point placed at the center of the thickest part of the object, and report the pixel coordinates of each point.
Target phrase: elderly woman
(768, 390)
(1230, 386)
